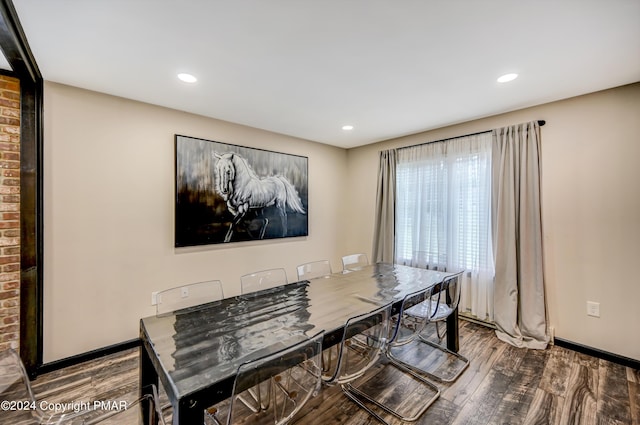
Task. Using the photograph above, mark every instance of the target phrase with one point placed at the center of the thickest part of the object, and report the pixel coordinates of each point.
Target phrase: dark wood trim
(31, 225)
(90, 355)
(8, 73)
(600, 354)
(15, 47)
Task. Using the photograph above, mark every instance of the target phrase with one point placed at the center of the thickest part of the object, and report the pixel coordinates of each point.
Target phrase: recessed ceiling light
(507, 77)
(187, 78)
(347, 127)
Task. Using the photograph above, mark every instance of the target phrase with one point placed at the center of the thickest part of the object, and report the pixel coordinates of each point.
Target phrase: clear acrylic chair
(431, 261)
(251, 283)
(254, 282)
(292, 376)
(374, 390)
(314, 270)
(15, 387)
(354, 262)
(188, 296)
(362, 342)
(445, 365)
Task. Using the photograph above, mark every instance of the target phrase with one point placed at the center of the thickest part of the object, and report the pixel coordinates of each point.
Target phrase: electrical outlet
(184, 291)
(593, 309)
(154, 298)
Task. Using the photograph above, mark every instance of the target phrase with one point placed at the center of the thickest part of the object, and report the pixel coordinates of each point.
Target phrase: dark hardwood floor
(503, 385)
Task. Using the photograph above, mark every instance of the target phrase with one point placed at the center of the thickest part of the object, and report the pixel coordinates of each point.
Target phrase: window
(443, 214)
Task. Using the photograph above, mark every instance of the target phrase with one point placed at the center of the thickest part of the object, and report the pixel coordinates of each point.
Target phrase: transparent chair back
(314, 270)
(290, 376)
(441, 303)
(445, 301)
(354, 262)
(265, 279)
(406, 327)
(364, 338)
(187, 296)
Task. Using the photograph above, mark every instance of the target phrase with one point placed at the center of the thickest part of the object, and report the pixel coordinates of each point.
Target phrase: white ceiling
(307, 67)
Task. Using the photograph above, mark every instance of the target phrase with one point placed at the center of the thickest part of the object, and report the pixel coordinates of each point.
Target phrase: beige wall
(591, 210)
(109, 215)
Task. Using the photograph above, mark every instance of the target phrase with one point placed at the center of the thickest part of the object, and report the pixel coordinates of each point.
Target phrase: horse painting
(242, 190)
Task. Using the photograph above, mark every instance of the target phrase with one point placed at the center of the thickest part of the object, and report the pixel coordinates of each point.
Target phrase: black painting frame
(231, 193)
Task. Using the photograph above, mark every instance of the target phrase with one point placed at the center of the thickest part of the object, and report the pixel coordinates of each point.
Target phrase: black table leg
(453, 343)
(188, 412)
(148, 376)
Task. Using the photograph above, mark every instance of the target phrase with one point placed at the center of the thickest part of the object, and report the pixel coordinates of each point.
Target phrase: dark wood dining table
(195, 353)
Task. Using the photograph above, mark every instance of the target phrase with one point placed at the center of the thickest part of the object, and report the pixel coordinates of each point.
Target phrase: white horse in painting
(243, 190)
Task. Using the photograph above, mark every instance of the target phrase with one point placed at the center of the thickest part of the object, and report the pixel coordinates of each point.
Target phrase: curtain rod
(540, 123)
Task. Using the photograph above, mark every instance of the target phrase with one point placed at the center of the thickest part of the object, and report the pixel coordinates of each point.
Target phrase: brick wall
(9, 212)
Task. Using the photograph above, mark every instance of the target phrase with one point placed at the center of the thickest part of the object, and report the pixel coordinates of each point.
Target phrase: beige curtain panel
(519, 298)
(384, 229)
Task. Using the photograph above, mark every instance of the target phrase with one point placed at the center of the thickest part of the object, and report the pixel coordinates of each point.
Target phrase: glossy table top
(195, 349)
